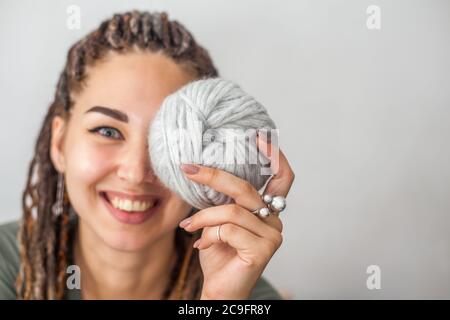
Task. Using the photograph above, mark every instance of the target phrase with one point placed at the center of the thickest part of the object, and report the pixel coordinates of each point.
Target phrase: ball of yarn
(211, 122)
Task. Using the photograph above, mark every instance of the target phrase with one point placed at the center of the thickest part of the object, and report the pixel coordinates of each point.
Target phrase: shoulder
(263, 290)
(9, 259)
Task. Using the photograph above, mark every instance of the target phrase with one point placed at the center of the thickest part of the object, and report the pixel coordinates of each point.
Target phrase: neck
(107, 273)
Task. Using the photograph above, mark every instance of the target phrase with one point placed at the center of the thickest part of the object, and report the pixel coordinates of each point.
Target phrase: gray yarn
(195, 125)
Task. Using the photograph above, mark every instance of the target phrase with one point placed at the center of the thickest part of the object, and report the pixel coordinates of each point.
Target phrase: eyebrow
(113, 113)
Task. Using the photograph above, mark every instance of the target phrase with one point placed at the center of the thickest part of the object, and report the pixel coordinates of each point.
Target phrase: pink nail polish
(185, 222)
(196, 243)
(190, 168)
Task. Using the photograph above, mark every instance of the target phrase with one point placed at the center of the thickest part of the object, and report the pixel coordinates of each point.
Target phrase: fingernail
(190, 168)
(196, 243)
(185, 222)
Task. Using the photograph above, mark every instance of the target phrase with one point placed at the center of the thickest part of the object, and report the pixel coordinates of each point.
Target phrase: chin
(128, 241)
(131, 238)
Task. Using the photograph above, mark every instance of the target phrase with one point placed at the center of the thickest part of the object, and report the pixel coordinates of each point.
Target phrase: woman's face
(103, 150)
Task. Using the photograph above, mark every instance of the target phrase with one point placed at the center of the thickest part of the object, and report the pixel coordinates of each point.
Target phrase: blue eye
(108, 132)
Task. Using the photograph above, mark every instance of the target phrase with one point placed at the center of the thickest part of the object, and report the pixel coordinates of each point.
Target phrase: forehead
(134, 82)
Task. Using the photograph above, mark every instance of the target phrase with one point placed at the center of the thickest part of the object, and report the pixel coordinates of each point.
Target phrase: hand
(231, 267)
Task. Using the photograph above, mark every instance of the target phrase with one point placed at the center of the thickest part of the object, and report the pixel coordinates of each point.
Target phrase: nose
(134, 166)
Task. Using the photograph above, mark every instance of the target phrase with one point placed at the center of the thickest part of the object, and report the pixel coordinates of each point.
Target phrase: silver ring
(218, 233)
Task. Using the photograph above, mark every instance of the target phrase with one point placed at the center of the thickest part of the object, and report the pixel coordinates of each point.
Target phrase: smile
(130, 209)
(130, 206)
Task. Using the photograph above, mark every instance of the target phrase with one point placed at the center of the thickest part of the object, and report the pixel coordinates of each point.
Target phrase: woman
(92, 200)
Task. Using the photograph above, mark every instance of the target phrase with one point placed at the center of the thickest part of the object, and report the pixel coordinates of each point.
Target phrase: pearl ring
(274, 204)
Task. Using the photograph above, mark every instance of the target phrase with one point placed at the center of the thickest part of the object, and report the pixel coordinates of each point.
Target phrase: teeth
(128, 205)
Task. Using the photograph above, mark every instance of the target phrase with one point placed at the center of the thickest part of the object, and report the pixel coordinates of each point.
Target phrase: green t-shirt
(9, 268)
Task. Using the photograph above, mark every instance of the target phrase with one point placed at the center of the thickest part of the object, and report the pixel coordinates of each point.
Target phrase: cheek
(176, 208)
(87, 163)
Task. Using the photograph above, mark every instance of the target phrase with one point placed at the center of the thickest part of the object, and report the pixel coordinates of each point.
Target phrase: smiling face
(103, 150)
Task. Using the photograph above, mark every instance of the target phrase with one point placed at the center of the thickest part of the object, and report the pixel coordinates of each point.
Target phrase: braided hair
(43, 237)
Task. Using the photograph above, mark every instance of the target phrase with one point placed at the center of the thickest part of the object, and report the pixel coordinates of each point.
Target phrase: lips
(129, 216)
(132, 197)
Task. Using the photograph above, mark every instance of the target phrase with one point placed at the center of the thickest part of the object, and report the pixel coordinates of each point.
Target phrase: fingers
(236, 237)
(281, 182)
(251, 248)
(232, 213)
(243, 193)
(238, 189)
